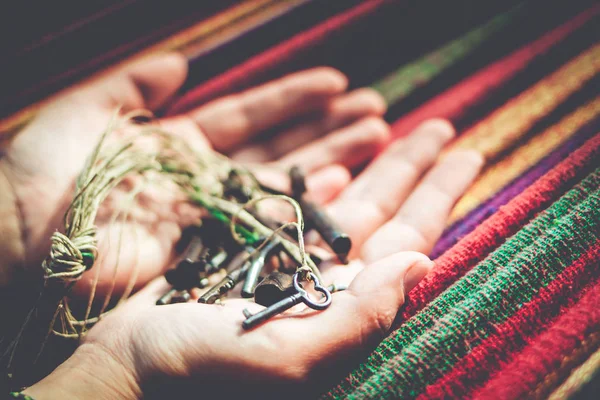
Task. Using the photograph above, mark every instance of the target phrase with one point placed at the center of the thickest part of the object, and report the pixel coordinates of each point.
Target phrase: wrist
(90, 373)
(12, 247)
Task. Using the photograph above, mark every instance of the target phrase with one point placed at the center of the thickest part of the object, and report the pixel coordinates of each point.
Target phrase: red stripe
(504, 223)
(265, 62)
(544, 355)
(453, 101)
(509, 337)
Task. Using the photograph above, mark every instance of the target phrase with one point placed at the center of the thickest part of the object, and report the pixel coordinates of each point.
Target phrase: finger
(356, 320)
(359, 317)
(375, 196)
(146, 84)
(340, 112)
(422, 218)
(321, 186)
(324, 185)
(184, 127)
(230, 121)
(350, 146)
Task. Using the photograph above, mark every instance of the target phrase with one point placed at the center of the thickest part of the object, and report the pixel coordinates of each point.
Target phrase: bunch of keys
(196, 264)
(280, 290)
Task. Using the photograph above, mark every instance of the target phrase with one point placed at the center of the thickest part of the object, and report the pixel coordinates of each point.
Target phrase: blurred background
(47, 46)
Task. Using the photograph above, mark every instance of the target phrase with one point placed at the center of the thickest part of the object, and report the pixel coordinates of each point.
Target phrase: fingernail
(416, 273)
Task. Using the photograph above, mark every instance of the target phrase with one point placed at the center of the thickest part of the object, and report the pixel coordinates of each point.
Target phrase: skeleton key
(318, 219)
(173, 296)
(257, 266)
(301, 296)
(236, 272)
(225, 285)
(275, 287)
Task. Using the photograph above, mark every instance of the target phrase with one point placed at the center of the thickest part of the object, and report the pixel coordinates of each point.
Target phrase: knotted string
(199, 175)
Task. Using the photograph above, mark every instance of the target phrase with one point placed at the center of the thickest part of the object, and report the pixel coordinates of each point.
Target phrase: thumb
(148, 83)
(358, 318)
(364, 313)
(389, 279)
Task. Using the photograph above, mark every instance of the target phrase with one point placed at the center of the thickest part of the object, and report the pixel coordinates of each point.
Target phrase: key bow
(318, 287)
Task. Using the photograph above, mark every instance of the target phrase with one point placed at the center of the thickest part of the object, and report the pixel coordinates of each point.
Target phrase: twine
(199, 175)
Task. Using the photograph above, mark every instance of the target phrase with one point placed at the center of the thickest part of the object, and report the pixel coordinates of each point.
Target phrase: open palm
(394, 210)
(316, 125)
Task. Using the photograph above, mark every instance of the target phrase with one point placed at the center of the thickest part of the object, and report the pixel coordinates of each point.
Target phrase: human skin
(43, 160)
(394, 211)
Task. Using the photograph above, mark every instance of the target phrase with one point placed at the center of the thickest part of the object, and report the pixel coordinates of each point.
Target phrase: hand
(395, 211)
(328, 130)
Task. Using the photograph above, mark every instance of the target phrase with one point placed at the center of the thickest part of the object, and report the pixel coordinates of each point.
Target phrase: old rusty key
(301, 296)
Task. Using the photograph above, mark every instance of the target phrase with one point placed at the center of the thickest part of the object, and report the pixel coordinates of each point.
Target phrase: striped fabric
(469, 311)
(194, 42)
(454, 101)
(510, 122)
(524, 157)
(581, 376)
(262, 64)
(552, 355)
(405, 80)
(510, 310)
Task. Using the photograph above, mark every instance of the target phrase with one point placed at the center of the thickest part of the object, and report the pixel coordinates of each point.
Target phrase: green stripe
(400, 83)
(471, 321)
(440, 306)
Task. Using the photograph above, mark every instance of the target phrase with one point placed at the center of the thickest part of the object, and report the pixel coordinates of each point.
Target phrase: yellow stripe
(235, 15)
(509, 123)
(194, 43)
(524, 157)
(580, 376)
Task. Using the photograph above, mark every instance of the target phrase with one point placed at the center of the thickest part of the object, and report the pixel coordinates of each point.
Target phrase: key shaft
(270, 312)
(256, 268)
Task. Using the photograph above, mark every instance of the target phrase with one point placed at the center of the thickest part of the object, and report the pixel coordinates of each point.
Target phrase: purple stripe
(467, 224)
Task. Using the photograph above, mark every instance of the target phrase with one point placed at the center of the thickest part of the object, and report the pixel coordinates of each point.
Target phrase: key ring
(306, 298)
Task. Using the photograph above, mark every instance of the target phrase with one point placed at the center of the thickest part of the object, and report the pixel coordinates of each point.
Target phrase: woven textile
(452, 102)
(402, 82)
(510, 310)
(488, 295)
(523, 158)
(578, 379)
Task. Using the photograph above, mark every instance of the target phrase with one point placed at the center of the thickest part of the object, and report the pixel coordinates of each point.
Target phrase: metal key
(301, 296)
(236, 272)
(225, 285)
(275, 287)
(318, 219)
(257, 266)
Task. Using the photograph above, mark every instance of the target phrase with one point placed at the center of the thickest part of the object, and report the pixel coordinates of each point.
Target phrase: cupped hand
(309, 117)
(394, 211)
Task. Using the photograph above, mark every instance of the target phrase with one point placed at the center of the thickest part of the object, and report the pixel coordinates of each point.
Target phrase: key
(173, 296)
(225, 285)
(301, 296)
(316, 218)
(257, 266)
(216, 262)
(298, 182)
(195, 265)
(339, 241)
(275, 287)
(234, 188)
(187, 273)
(236, 273)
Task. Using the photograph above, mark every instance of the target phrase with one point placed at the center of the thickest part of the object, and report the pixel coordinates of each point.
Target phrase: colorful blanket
(511, 310)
